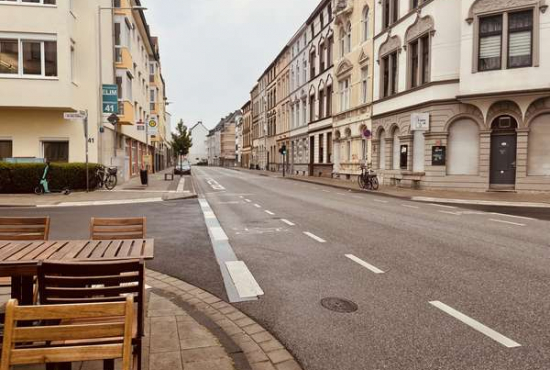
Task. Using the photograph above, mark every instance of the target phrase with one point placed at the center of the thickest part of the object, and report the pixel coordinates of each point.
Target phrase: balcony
(126, 113)
(123, 58)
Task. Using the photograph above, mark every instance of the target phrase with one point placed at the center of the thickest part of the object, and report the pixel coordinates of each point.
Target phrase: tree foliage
(181, 140)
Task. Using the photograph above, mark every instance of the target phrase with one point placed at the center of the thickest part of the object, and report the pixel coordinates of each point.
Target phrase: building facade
(220, 141)
(282, 128)
(352, 106)
(461, 95)
(246, 154)
(198, 152)
(50, 63)
(256, 128)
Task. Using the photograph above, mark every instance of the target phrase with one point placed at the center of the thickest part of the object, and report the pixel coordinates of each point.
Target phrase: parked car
(182, 169)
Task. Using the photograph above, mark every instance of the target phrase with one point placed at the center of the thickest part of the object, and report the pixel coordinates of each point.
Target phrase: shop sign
(420, 122)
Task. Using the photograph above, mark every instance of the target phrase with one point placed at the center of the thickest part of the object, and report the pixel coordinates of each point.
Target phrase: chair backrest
(118, 228)
(93, 282)
(56, 340)
(24, 228)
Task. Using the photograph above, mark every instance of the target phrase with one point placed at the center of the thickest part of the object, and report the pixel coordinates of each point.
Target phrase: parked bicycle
(368, 179)
(106, 177)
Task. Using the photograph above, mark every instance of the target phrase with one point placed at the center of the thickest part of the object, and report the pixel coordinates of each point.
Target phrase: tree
(181, 140)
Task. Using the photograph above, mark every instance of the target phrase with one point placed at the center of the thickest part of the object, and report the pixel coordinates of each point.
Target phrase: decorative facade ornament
(419, 27)
(344, 67)
(363, 57)
(487, 6)
(391, 44)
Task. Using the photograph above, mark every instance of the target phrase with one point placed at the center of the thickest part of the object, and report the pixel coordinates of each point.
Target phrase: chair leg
(108, 364)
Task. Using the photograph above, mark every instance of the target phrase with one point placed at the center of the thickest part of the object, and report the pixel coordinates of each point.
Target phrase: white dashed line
(476, 325)
(512, 216)
(506, 222)
(344, 194)
(442, 206)
(315, 237)
(269, 212)
(408, 206)
(288, 222)
(364, 264)
(247, 200)
(380, 201)
(326, 191)
(257, 205)
(357, 197)
(449, 213)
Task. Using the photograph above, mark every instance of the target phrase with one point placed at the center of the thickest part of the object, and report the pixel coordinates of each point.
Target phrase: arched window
(463, 148)
(342, 43)
(366, 24)
(348, 37)
(382, 150)
(396, 150)
(538, 163)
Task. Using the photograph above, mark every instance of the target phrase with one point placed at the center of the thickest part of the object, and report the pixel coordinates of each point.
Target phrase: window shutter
(520, 44)
(490, 47)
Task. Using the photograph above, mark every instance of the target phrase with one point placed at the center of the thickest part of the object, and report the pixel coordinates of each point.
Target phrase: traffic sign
(74, 116)
(152, 126)
(110, 99)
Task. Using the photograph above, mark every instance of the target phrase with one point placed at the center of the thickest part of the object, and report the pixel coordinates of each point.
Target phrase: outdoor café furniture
(92, 282)
(53, 339)
(19, 259)
(24, 228)
(118, 228)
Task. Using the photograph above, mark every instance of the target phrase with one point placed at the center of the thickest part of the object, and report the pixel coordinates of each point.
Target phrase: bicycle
(368, 179)
(106, 177)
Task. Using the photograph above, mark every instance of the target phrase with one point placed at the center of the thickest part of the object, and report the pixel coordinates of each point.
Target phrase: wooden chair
(118, 228)
(69, 283)
(49, 341)
(24, 228)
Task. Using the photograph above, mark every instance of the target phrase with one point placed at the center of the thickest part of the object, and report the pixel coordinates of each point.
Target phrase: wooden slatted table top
(31, 252)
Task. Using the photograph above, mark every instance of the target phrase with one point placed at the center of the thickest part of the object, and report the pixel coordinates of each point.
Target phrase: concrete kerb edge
(250, 337)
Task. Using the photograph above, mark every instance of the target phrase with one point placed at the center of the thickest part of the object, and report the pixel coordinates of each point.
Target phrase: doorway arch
(503, 152)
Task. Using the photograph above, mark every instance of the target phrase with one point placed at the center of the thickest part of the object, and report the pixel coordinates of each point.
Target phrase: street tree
(181, 141)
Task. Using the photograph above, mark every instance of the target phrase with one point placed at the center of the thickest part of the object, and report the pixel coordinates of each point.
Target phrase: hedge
(24, 177)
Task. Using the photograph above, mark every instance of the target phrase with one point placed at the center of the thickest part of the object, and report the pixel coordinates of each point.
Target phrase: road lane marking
(512, 216)
(442, 206)
(240, 196)
(181, 185)
(269, 212)
(408, 206)
(344, 194)
(257, 205)
(380, 201)
(315, 237)
(364, 264)
(357, 197)
(246, 285)
(450, 213)
(247, 200)
(506, 222)
(288, 222)
(507, 342)
(326, 191)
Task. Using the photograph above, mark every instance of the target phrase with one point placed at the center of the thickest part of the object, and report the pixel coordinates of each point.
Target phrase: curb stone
(261, 349)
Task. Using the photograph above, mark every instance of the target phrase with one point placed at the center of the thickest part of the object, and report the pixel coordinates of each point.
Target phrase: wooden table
(19, 259)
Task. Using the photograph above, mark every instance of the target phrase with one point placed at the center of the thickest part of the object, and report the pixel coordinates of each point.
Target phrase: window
(152, 100)
(321, 104)
(116, 3)
(322, 20)
(28, 57)
(520, 39)
(6, 149)
(348, 38)
(329, 147)
(312, 108)
(312, 62)
(118, 43)
(365, 24)
(389, 74)
(419, 60)
(490, 43)
(305, 71)
(382, 150)
(538, 163)
(396, 150)
(345, 95)
(463, 152)
(322, 53)
(73, 62)
(56, 151)
(43, 2)
(304, 111)
(390, 12)
(321, 149)
(120, 95)
(329, 100)
(364, 85)
(329, 51)
(342, 43)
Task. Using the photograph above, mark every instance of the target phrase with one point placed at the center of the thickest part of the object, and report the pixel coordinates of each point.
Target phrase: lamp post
(100, 59)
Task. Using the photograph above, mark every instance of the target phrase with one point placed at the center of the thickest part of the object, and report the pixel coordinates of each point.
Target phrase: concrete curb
(262, 350)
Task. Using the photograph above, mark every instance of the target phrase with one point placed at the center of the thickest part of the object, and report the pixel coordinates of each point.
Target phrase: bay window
(25, 57)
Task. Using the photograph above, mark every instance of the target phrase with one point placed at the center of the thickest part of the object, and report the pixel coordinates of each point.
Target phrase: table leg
(16, 288)
(22, 289)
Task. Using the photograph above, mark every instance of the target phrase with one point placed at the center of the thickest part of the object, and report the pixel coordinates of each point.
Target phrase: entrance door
(311, 154)
(503, 153)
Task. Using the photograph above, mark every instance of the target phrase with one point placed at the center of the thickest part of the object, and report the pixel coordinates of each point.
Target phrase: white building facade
(198, 152)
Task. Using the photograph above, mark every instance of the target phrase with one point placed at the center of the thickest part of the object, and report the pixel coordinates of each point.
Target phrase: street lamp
(100, 56)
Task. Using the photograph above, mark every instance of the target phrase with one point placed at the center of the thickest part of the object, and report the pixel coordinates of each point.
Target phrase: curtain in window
(520, 42)
(56, 151)
(490, 43)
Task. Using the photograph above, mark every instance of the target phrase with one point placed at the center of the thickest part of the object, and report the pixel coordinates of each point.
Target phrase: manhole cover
(339, 305)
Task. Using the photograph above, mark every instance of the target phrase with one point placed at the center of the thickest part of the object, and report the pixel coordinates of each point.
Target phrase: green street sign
(110, 99)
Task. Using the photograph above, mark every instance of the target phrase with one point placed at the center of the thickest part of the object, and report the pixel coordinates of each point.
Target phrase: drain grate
(340, 305)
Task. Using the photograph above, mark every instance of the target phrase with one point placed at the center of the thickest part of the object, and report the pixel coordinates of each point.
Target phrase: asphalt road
(437, 287)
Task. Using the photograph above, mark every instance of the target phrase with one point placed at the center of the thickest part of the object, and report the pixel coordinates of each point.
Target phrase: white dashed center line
(326, 191)
(476, 325)
(288, 222)
(442, 206)
(512, 216)
(364, 264)
(269, 212)
(257, 205)
(380, 201)
(449, 213)
(315, 237)
(506, 222)
(344, 194)
(409, 206)
(247, 200)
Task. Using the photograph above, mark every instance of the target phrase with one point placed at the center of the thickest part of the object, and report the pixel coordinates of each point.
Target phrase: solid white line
(442, 206)
(257, 205)
(288, 222)
(408, 206)
(247, 200)
(476, 325)
(506, 222)
(315, 237)
(364, 264)
(380, 201)
(449, 213)
(269, 212)
(512, 216)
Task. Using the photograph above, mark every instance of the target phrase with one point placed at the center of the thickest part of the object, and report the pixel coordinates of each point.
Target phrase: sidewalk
(129, 192)
(438, 196)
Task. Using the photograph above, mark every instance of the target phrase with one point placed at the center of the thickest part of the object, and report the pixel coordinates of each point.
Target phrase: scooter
(43, 187)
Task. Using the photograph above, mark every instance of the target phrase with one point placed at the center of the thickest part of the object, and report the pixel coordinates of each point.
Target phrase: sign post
(77, 116)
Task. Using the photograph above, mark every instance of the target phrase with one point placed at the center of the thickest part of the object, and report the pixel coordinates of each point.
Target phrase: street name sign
(110, 99)
(420, 122)
(74, 116)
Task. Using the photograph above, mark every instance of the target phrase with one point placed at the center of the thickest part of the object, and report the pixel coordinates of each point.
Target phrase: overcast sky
(213, 51)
